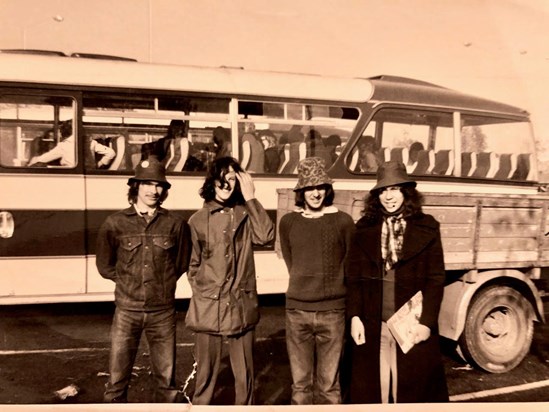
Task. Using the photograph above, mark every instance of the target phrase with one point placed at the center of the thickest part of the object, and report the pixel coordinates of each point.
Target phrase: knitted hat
(311, 172)
(150, 169)
(392, 174)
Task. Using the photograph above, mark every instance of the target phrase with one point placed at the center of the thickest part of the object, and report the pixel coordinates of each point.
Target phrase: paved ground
(48, 347)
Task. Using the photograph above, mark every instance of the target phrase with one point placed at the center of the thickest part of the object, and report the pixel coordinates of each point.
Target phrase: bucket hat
(392, 174)
(150, 169)
(311, 172)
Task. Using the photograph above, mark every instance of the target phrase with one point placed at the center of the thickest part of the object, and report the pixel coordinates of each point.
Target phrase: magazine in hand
(404, 319)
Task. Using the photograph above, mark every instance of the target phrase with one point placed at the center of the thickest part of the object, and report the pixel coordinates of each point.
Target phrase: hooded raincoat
(222, 270)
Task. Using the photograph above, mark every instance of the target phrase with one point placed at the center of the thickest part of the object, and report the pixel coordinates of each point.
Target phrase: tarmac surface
(48, 348)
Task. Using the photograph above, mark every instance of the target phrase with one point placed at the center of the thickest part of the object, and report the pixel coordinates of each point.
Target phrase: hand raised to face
(246, 185)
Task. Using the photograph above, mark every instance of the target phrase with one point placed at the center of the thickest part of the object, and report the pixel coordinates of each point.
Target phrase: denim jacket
(145, 260)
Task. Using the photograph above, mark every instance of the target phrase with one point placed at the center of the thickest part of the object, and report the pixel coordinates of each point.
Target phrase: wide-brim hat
(392, 174)
(150, 169)
(311, 172)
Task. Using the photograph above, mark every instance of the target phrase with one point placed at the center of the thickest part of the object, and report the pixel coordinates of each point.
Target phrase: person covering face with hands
(395, 253)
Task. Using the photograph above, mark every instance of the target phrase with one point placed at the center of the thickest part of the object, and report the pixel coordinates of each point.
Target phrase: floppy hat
(152, 170)
(311, 172)
(392, 174)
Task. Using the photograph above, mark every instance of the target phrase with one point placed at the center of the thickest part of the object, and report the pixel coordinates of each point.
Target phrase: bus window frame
(457, 114)
(75, 96)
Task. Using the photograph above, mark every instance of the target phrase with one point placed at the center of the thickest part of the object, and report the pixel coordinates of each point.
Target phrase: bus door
(42, 242)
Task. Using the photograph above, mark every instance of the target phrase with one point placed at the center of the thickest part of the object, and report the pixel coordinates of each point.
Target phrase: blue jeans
(315, 336)
(159, 329)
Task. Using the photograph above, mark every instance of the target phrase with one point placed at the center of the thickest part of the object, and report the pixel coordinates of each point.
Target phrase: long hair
(328, 198)
(134, 190)
(413, 200)
(217, 172)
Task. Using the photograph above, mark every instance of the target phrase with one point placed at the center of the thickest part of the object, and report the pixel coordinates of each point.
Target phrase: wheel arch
(458, 296)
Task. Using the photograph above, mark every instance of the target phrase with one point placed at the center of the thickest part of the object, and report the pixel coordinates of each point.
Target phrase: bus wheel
(498, 329)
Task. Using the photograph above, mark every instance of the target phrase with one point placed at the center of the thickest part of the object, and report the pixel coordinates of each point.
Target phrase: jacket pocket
(249, 310)
(164, 242)
(129, 248)
(202, 315)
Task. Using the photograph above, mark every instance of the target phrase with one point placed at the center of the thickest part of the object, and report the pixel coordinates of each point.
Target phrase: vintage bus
(466, 153)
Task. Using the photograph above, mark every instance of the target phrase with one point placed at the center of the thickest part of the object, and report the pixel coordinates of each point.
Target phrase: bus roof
(409, 91)
(77, 71)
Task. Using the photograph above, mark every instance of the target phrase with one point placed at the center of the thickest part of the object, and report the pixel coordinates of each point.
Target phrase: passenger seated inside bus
(315, 146)
(160, 148)
(272, 158)
(332, 143)
(100, 153)
(368, 160)
(64, 151)
(413, 153)
(253, 155)
(222, 142)
(201, 150)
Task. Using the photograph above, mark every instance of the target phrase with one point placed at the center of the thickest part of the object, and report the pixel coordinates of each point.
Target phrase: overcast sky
(497, 49)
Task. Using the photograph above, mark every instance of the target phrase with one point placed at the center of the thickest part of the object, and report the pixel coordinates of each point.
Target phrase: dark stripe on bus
(63, 232)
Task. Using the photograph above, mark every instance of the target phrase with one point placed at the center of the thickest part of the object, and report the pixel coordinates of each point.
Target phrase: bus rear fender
(458, 296)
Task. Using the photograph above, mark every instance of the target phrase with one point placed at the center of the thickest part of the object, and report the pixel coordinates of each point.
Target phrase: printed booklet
(401, 323)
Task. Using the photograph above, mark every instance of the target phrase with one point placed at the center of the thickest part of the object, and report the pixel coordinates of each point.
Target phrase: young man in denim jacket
(144, 249)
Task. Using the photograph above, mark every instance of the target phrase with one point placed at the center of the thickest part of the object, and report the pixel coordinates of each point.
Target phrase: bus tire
(498, 329)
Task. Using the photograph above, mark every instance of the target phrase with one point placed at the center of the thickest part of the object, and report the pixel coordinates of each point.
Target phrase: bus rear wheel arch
(499, 328)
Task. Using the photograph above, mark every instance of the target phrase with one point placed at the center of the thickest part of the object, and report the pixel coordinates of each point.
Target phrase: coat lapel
(419, 233)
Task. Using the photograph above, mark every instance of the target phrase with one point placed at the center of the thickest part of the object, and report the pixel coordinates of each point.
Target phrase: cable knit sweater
(314, 250)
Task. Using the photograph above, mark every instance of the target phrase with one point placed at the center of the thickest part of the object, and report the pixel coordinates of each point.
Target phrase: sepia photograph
(304, 204)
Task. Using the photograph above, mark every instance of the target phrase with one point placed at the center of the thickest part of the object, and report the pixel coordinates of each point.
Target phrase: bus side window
(300, 130)
(495, 140)
(37, 131)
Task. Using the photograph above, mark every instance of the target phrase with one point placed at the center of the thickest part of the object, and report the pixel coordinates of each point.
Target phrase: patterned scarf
(392, 236)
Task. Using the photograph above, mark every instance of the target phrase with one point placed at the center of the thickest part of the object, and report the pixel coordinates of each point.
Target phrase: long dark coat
(421, 267)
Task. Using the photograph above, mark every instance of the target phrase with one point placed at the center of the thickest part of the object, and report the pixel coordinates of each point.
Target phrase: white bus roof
(72, 71)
